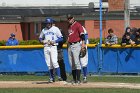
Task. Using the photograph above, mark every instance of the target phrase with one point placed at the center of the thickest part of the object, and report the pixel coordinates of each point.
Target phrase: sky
(54, 2)
(46, 2)
(135, 2)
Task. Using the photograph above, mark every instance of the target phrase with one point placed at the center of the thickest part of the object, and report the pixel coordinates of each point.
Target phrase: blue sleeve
(40, 39)
(86, 37)
(59, 40)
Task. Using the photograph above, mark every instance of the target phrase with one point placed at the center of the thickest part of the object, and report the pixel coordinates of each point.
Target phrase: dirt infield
(43, 84)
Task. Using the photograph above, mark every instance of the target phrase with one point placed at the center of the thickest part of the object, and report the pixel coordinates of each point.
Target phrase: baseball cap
(12, 35)
(49, 20)
(69, 16)
(53, 20)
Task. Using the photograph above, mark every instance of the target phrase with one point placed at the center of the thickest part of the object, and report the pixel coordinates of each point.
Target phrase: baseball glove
(83, 52)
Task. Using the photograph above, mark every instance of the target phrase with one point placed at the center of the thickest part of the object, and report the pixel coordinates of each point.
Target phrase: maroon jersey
(75, 30)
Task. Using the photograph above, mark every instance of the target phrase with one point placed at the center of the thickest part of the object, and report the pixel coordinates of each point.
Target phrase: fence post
(100, 44)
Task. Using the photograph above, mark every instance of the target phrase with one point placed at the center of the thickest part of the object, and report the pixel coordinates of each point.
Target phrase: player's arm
(82, 36)
(41, 38)
(59, 36)
(60, 39)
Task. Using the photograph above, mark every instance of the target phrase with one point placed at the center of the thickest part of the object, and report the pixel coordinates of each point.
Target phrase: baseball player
(50, 36)
(76, 34)
(84, 60)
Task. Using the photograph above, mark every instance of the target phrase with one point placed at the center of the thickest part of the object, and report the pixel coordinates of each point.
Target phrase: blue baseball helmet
(12, 35)
(49, 20)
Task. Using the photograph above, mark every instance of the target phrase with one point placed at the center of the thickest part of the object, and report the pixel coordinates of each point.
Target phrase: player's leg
(76, 50)
(84, 62)
(54, 59)
(62, 65)
(52, 77)
(84, 67)
(72, 64)
(62, 70)
(49, 64)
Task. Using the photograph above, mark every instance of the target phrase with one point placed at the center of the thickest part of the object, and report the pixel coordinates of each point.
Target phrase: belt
(73, 43)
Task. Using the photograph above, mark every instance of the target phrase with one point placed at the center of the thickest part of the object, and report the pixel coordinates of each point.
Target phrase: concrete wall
(26, 30)
(7, 29)
(116, 5)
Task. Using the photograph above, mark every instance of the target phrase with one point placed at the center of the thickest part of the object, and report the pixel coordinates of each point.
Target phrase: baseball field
(96, 84)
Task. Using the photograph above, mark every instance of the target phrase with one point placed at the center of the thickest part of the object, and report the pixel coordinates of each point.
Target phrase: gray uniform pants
(73, 53)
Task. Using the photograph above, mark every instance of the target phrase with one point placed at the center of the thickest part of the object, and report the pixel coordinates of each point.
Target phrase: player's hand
(83, 45)
(52, 42)
(46, 42)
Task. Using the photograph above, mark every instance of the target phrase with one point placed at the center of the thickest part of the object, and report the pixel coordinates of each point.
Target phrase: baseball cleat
(60, 79)
(78, 83)
(51, 81)
(85, 80)
(73, 82)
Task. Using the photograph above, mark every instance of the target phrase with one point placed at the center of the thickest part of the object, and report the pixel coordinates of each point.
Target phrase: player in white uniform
(84, 60)
(50, 36)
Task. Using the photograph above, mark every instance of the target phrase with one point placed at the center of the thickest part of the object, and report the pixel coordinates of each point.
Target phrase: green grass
(67, 90)
(119, 79)
(22, 78)
(123, 79)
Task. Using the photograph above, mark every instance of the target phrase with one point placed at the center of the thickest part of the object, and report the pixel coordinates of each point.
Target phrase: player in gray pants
(75, 35)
